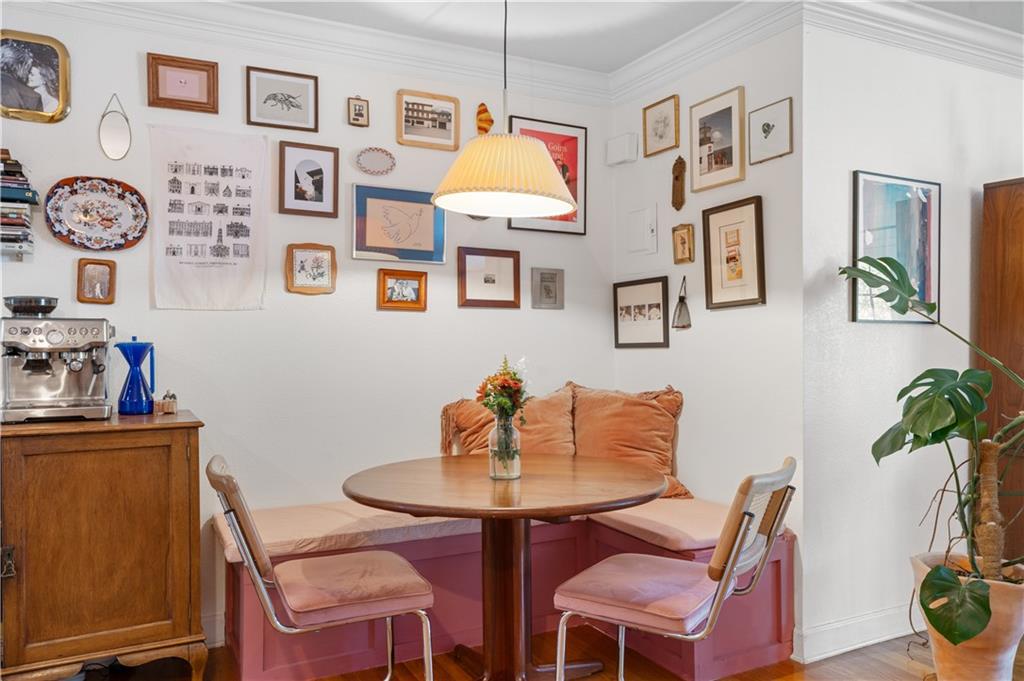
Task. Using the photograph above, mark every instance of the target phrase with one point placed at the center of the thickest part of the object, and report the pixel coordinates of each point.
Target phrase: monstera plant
(963, 596)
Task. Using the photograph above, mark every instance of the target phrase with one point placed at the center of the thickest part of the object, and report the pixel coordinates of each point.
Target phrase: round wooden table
(552, 489)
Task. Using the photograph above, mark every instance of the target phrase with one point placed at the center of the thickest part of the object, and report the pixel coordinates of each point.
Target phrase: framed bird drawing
(397, 225)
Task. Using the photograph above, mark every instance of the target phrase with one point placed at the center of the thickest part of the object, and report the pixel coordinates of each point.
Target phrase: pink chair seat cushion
(672, 524)
(350, 587)
(664, 595)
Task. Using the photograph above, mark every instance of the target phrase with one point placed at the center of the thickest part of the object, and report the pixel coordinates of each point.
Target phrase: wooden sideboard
(100, 544)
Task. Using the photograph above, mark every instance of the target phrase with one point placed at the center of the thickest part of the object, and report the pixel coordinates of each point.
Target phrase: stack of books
(16, 200)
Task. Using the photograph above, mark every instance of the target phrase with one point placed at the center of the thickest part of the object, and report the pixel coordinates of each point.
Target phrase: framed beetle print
(282, 99)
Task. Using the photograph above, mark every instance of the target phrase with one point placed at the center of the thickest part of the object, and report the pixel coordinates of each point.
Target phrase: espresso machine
(53, 368)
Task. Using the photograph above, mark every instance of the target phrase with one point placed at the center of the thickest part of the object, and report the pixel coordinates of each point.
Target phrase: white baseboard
(843, 635)
(213, 627)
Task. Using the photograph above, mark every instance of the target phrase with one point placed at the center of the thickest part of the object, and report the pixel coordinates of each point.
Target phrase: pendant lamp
(504, 175)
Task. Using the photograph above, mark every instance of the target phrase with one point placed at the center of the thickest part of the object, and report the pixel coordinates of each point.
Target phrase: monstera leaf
(889, 275)
(957, 610)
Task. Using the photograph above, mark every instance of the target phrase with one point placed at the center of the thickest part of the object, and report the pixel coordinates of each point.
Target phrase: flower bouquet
(504, 394)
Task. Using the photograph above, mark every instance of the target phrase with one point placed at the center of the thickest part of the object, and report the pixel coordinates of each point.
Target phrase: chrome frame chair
(764, 499)
(239, 520)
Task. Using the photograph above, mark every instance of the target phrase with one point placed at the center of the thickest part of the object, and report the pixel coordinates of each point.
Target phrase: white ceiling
(595, 35)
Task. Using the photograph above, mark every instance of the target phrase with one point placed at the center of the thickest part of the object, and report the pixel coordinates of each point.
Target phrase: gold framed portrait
(682, 244)
(36, 77)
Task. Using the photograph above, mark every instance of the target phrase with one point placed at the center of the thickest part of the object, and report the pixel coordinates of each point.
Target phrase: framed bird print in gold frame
(36, 77)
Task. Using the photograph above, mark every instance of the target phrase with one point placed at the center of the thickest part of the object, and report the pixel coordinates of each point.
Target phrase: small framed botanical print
(358, 112)
(734, 254)
(424, 119)
(567, 145)
(716, 140)
(310, 269)
(282, 99)
(396, 224)
(547, 288)
(180, 83)
(641, 313)
(771, 131)
(401, 290)
(307, 180)
(97, 281)
(682, 244)
(488, 277)
(37, 77)
(661, 126)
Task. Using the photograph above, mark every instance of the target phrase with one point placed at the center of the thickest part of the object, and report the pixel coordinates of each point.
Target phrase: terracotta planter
(989, 655)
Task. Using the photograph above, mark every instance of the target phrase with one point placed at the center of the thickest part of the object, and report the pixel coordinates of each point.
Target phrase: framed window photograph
(734, 254)
(547, 288)
(181, 83)
(641, 313)
(396, 224)
(359, 112)
(682, 244)
(36, 77)
(97, 281)
(771, 131)
(661, 126)
(488, 277)
(310, 269)
(307, 180)
(567, 145)
(424, 119)
(402, 290)
(282, 99)
(896, 217)
(716, 140)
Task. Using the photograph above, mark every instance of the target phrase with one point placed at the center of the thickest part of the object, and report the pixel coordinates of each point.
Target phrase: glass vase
(503, 444)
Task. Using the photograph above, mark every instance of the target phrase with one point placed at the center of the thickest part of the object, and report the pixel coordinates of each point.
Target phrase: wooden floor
(887, 661)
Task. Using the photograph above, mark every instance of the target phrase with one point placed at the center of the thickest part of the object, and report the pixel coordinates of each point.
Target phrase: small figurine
(168, 404)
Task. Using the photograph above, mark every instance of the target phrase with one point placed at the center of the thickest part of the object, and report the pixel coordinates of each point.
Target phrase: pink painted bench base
(753, 631)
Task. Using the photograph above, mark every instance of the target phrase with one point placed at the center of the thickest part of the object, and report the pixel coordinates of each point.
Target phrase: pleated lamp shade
(504, 176)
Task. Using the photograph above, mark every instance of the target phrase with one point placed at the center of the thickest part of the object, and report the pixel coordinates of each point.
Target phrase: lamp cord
(504, 73)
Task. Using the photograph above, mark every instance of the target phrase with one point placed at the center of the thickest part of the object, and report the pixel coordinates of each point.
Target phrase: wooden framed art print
(488, 277)
(403, 290)
(181, 83)
(282, 99)
(716, 140)
(37, 77)
(567, 145)
(359, 112)
(661, 126)
(734, 254)
(396, 224)
(682, 244)
(896, 217)
(771, 131)
(97, 281)
(641, 313)
(307, 180)
(547, 288)
(424, 119)
(310, 269)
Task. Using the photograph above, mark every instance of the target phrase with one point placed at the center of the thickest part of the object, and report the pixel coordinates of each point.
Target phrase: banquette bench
(752, 631)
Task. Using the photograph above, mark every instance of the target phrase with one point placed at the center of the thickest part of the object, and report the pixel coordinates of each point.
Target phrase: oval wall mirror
(115, 132)
(375, 161)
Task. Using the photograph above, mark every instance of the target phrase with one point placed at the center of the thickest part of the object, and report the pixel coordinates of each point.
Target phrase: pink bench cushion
(649, 592)
(336, 526)
(350, 587)
(672, 524)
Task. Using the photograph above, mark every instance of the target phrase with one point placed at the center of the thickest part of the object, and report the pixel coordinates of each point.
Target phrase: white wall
(311, 389)
(873, 107)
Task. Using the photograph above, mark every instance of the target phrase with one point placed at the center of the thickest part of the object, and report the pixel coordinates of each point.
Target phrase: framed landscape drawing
(427, 120)
(97, 281)
(661, 126)
(307, 180)
(547, 288)
(310, 269)
(641, 313)
(180, 83)
(37, 77)
(734, 254)
(716, 140)
(682, 244)
(488, 277)
(567, 145)
(401, 290)
(771, 131)
(896, 217)
(396, 224)
(282, 99)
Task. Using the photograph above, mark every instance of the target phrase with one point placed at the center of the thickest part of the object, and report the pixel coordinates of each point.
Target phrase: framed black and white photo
(771, 131)
(567, 145)
(425, 119)
(488, 277)
(734, 254)
(641, 313)
(716, 141)
(547, 288)
(36, 77)
(307, 180)
(282, 99)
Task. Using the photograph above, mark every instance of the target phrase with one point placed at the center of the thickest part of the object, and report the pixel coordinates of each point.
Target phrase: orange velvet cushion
(548, 428)
(636, 427)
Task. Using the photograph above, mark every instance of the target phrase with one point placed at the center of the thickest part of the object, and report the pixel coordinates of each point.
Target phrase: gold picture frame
(94, 285)
(308, 284)
(682, 244)
(422, 124)
(653, 127)
(712, 165)
(33, 56)
(407, 299)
